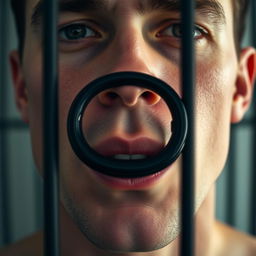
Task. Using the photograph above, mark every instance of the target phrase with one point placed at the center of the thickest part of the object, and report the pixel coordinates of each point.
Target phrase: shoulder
(236, 243)
(29, 246)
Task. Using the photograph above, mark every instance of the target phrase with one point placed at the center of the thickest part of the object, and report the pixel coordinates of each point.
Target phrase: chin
(125, 228)
(140, 237)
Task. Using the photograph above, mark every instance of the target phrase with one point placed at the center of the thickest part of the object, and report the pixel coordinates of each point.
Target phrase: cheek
(34, 86)
(70, 84)
(213, 109)
(71, 81)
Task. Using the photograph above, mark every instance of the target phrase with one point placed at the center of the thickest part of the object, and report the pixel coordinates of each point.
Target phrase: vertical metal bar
(231, 178)
(253, 185)
(50, 129)
(4, 205)
(188, 164)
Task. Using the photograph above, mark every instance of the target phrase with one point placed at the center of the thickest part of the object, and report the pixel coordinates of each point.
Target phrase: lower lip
(130, 183)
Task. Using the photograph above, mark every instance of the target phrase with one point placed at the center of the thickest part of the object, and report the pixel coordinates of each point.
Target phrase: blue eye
(175, 30)
(76, 32)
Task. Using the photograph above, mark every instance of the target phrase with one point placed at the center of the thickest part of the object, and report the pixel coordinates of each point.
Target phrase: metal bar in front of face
(188, 159)
(4, 202)
(50, 129)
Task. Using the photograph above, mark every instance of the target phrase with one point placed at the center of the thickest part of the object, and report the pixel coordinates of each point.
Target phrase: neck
(73, 242)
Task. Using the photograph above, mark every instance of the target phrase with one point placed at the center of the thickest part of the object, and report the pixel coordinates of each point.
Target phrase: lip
(130, 183)
(142, 146)
(115, 145)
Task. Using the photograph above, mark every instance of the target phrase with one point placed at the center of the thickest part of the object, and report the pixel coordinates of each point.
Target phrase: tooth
(138, 157)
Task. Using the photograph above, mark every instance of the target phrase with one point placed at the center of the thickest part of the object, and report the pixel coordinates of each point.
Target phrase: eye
(175, 30)
(76, 32)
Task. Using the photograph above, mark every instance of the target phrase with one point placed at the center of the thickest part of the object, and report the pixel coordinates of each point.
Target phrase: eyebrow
(209, 8)
(76, 6)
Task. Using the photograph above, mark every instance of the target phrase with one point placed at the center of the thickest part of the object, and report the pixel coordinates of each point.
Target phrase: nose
(134, 54)
(128, 96)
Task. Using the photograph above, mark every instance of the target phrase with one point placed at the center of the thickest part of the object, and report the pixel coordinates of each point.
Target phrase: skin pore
(135, 35)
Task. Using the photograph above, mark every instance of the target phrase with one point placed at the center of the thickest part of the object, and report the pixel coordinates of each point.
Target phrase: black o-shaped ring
(127, 168)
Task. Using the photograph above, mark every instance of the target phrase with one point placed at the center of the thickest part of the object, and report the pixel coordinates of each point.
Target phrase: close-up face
(97, 38)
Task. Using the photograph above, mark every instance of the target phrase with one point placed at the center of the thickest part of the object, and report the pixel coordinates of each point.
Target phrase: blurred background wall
(21, 209)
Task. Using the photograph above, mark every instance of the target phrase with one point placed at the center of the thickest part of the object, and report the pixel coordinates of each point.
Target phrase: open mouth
(129, 150)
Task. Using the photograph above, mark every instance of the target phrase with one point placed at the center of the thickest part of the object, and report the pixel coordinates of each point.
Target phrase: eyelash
(84, 29)
(87, 32)
(201, 30)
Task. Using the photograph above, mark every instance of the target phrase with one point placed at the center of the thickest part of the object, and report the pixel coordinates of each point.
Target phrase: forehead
(136, 4)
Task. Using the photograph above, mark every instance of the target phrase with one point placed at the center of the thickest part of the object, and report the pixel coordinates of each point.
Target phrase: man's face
(114, 36)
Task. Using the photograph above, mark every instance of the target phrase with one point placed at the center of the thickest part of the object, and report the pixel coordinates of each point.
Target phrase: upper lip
(115, 145)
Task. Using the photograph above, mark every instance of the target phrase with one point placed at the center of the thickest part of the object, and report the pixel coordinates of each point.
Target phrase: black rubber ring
(127, 168)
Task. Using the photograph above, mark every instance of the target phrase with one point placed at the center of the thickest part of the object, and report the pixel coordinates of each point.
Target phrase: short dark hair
(19, 12)
(239, 10)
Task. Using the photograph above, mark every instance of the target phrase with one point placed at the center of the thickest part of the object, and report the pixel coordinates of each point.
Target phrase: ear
(20, 90)
(244, 84)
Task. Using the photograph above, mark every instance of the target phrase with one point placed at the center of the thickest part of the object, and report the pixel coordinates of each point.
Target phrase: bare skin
(213, 238)
(144, 41)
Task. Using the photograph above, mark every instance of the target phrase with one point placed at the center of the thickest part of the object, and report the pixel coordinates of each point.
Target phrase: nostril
(111, 95)
(128, 95)
(150, 97)
(108, 97)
